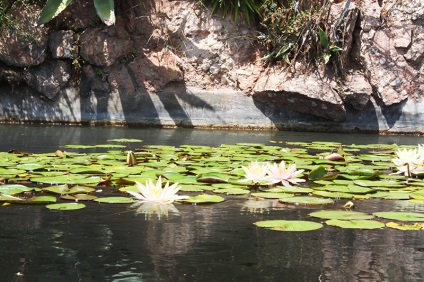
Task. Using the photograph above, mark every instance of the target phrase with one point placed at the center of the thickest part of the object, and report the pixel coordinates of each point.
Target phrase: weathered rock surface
(23, 44)
(49, 78)
(63, 44)
(156, 70)
(306, 94)
(163, 59)
(104, 46)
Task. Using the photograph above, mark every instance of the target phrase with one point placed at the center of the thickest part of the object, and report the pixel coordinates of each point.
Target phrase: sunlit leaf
(115, 200)
(204, 198)
(305, 200)
(289, 225)
(402, 226)
(318, 172)
(267, 195)
(66, 206)
(402, 216)
(345, 215)
(356, 223)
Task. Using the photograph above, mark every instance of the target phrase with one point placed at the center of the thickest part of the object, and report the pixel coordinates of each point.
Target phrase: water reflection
(194, 242)
(257, 205)
(150, 209)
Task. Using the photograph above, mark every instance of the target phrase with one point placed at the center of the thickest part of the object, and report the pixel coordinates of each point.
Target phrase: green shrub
(296, 30)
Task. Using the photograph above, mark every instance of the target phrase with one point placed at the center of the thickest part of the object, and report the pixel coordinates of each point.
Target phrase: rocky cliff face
(169, 62)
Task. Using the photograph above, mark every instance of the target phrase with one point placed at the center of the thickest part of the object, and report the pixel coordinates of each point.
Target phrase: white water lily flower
(409, 161)
(421, 151)
(155, 193)
(279, 173)
(256, 172)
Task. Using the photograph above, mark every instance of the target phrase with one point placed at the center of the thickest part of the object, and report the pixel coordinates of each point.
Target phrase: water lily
(279, 173)
(409, 161)
(256, 172)
(151, 192)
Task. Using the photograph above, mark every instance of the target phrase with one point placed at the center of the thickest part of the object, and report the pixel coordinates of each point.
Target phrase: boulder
(356, 91)
(157, 70)
(49, 78)
(62, 44)
(306, 94)
(104, 46)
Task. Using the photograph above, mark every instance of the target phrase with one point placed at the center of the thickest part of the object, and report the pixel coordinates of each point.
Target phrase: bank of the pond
(197, 108)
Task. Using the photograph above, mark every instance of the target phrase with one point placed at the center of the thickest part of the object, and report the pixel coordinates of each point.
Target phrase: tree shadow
(142, 91)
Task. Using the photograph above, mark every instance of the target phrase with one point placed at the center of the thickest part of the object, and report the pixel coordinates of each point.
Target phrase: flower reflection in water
(149, 209)
(257, 205)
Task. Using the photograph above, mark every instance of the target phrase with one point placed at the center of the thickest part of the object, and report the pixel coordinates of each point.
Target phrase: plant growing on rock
(297, 29)
(104, 8)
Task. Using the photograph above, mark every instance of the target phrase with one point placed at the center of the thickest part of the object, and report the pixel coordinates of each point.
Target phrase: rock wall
(173, 63)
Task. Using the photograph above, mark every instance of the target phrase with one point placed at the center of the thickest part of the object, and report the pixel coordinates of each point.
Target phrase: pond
(203, 242)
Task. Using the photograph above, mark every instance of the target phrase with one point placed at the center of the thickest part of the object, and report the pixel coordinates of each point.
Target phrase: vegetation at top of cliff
(7, 19)
(297, 30)
(104, 8)
(248, 8)
(291, 30)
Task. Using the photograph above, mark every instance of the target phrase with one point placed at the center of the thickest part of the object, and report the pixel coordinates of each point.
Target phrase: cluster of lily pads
(292, 173)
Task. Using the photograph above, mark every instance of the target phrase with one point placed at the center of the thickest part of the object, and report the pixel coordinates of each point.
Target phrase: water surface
(202, 242)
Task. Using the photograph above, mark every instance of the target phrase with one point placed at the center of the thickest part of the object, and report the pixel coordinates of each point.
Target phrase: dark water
(203, 242)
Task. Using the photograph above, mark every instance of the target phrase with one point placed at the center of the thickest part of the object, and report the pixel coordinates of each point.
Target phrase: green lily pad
(402, 216)
(296, 190)
(379, 183)
(204, 198)
(79, 197)
(401, 226)
(345, 215)
(305, 200)
(13, 189)
(356, 223)
(317, 173)
(32, 200)
(125, 140)
(66, 206)
(269, 195)
(231, 191)
(289, 225)
(115, 200)
(335, 195)
(58, 189)
(213, 177)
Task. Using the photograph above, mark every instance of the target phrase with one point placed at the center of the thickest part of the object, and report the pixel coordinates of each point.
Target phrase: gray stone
(62, 44)
(49, 78)
(308, 94)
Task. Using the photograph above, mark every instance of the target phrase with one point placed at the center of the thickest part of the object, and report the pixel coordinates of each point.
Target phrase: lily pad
(305, 200)
(356, 223)
(79, 197)
(268, 195)
(115, 200)
(401, 226)
(317, 173)
(402, 216)
(345, 215)
(289, 225)
(204, 198)
(66, 206)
